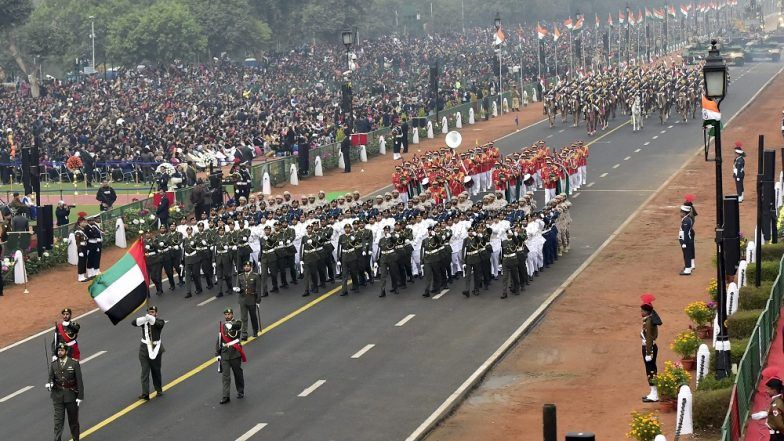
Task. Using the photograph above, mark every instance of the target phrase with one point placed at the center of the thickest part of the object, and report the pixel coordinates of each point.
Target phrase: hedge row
(772, 251)
(741, 324)
(709, 408)
(770, 270)
(752, 297)
(737, 349)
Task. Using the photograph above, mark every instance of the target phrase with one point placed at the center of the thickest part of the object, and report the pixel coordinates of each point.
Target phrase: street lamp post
(497, 23)
(714, 74)
(92, 36)
(348, 41)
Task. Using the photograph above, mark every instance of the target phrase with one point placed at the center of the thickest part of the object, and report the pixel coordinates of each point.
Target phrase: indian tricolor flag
(710, 110)
(124, 287)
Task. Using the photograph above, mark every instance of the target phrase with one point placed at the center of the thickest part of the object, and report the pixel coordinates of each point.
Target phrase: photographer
(106, 196)
(62, 212)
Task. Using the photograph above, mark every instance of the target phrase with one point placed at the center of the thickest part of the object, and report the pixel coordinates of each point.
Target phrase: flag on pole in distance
(124, 287)
(579, 24)
(541, 32)
(556, 33)
(685, 10)
(500, 37)
(598, 23)
(568, 23)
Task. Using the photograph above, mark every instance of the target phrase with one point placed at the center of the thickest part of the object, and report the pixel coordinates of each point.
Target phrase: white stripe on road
(561, 131)
(603, 175)
(574, 196)
(96, 355)
(207, 301)
(405, 320)
(616, 165)
(590, 184)
(13, 345)
(655, 136)
(664, 131)
(549, 136)
(313, 387)
(669, 127)
(627, 158)
(637, 151)
(646, 143)
(254, 430)
(19, 392)
(362, 351)
(441, 294)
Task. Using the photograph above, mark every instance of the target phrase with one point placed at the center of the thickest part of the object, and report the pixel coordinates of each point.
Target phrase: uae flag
(124, 287)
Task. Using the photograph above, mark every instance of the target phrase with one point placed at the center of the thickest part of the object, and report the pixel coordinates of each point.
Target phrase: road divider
(362, 351)
(254, 430)
(311, 388)
(405, 320)
(19, 392)
(92, 357)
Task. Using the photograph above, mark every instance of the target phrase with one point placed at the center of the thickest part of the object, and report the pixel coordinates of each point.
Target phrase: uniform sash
(70, 342)
(234, 343)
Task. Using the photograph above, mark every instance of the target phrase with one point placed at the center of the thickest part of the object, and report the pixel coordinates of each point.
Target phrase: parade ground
(334, 367)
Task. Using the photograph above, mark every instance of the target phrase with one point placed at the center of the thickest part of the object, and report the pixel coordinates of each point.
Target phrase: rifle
(48, 362)
(220, 345)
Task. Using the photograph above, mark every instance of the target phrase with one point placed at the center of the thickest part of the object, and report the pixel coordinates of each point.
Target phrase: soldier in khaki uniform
(67, 391)
(309, 261)
(511, 276)
(387, 264)
(250, 295)
(775, 413)
(649, 333)
(192, 262)
(472, 249)
(223, 260)
(348, 250)
(203, 243)
(230, 355)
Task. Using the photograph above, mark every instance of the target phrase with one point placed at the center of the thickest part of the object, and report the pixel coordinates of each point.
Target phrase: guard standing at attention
(649, 333)
(81, 247)
(686, 239)
(150, 351)
(65, 332)
(94, 245)
(250, 296)
(739, 169)
(230, 355)
(66, 390)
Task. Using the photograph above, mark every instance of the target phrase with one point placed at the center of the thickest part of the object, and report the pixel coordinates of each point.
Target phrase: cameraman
(62, 212)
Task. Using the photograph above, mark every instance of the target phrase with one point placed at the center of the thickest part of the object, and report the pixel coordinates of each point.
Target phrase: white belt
(92, 241)
(71, 343)
(155, 343)
(231, 343)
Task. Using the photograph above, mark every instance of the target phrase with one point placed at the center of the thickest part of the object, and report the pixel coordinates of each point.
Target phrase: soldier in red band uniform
(400, 181)
(66, 331)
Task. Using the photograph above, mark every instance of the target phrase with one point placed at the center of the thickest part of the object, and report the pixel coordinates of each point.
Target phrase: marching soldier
(65, 332)
(154, 263)
(522, 256)
(81, 247)
(386, 262)
(739, 169)
(174, 240)
(686, 239)
(94, 243)
(347, 255)
(242, 240)
(192, 262)
(268, 261)
(230, 355)
(223, 266)
(250, 292)
(150, 351)
(166, 262)
(286, 236)
(430, 252)
(326, 258)
(203, 244)
(364, 252)
(511, 276)
(472, 249)
(243, 183)
(66, 390)
(309, 261)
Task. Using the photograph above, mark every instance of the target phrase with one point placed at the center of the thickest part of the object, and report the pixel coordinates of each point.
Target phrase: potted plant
(668, 382)
(644, 426)
(686, 344)
(713, 289)
(701, 314)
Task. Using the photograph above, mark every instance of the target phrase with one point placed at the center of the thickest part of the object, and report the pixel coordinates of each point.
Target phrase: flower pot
(705, 332)
(667, 405)
(689, 363)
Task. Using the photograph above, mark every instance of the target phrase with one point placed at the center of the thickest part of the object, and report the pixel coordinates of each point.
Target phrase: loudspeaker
(731, 234)
(35, 163)
(768, 193)
(45, 227)
(216, 180)
(580, 436)
(28, 186)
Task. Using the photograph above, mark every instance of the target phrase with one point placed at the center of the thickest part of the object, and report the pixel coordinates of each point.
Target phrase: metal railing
(752, 362)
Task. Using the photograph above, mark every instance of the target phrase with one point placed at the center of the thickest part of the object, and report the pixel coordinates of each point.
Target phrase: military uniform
(250, 293)
(739, 172)
(174, 256)
(66, 333)
(150, 353)
(430, 252)
(154, 263)
(81, 248)
(223, 262)
(472, 249)
(67, 392)
(203, 244)
(326, 258)
(269, 263)
(309, 256)
(230, 355)
(775, 420)
(348, 249)
(94, 244)
(387, 264)
(686, 239)
(163, 246)
(511, 276)
(192, 261)
(366, 236)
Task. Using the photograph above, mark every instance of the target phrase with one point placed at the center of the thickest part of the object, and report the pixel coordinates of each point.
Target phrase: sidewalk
(58, 288)
(585, 354)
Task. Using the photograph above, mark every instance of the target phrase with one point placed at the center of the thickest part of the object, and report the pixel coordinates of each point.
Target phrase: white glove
(683, 246)
(228, 325)
(302, 267)
(150, 319)
(204, 242)
(280, 243)
(762, 414)
(648, 357)
(160, 244)
(78, 402)
(236, 289)
(464, 269)
(288, 242)
(81, 254)
(234, 247)
(363, 253)
(48, 386)
(218, 358)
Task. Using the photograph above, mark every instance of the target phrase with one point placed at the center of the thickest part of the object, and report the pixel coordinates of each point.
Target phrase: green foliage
(752, 297)
(710, 408)
(773, 251)
(770, 270)
(741, 324)
(709, 382)
(737, 349)
(227, 29)
(14, 13)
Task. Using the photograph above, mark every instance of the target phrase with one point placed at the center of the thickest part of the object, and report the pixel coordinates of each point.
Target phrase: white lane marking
(561, 131)
(13, 345)
(362, 351)
(549, 136)
(637, 151)
(405, 320)
(96, 355)
(207, 301)
(655, 137)
(590, 184)
(669, 127)
(19, 392)
(254, 430)
(616, 165)
(627, 158)
(312, 387)
(505, 136)
(574, 196)
(603, 175)
(441, 294)
(482, 370)
(646, 143)
(663, 132)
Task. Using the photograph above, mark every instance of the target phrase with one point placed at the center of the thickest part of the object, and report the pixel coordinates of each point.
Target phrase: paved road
(302, 382)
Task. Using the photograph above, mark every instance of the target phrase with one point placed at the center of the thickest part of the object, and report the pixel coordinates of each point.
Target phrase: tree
(228, 28)
(14, 13)
(164, 32)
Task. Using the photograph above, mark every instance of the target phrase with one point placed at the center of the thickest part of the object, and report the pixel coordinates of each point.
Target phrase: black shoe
(354, 289)
(396, 292)
(210, 286)
(306, 294)
(224, 400)
(182, 283)
(245, 338)
(322, 286)
(466, 293)
(383, 293)
(220, 294)
(330, 280)
(159, 293)
(294, 281)
(241, 395)
(503, 296)
(648, 400)
(198, 292)
(160, 393)
(145, 397)
(187, 296)
(171, 287)
(476, 292)
(344, 293)
(274, 290)
(265, 294)
(285, 285)
(426, 294)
